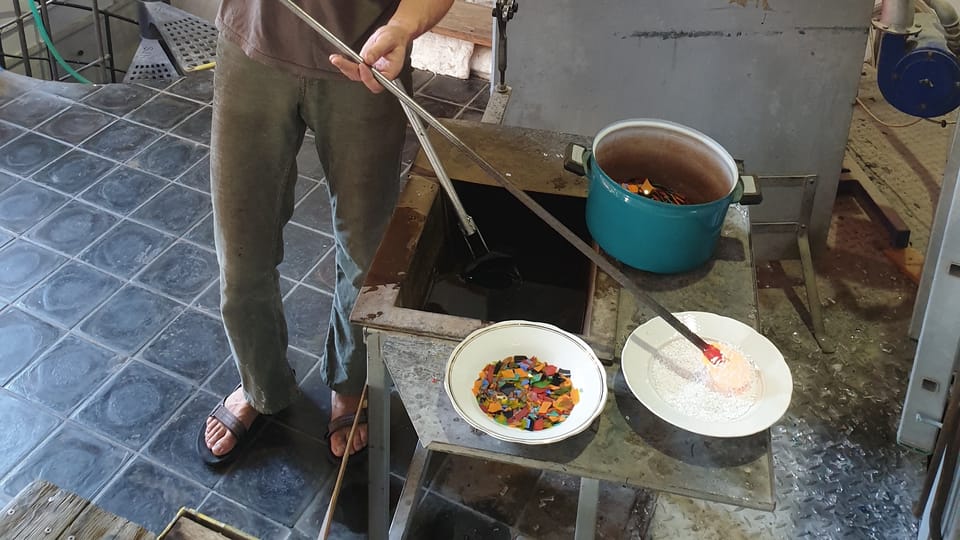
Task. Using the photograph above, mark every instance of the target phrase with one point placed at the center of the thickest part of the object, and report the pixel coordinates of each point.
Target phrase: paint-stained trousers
(260, 115)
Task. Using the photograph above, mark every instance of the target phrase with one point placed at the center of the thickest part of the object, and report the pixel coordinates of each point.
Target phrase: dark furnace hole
(556, 277)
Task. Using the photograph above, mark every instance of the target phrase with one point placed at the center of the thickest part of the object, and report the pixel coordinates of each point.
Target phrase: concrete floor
(839, 470)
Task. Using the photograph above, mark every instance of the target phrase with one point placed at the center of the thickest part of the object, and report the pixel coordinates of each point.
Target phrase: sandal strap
(344, 421)
(229, 420)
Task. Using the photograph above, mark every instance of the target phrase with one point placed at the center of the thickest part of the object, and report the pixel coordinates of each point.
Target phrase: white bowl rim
(601, 403)
(676, 127)
(756, 420)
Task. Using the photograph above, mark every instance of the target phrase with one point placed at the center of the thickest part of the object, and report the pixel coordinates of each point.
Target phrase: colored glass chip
(525, 393)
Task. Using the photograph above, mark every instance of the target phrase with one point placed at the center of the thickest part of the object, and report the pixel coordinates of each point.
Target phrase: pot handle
(747, 190)
(576, 158)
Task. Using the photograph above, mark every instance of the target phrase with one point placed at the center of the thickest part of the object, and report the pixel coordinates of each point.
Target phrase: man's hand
(385, 51)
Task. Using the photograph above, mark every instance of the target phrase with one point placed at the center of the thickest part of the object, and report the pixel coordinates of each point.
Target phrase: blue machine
(918, 73)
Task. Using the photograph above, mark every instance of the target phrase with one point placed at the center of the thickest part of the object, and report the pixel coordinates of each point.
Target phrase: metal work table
(627, 444)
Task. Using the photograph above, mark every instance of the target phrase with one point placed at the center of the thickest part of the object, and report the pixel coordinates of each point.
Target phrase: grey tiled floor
(111, 348)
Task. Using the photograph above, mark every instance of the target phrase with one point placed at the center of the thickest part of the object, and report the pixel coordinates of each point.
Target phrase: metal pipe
(88, 65)
(466, 222)
(950, 22)
(945, 12)
(45, 17)
(896, 17)
(20, 17)
(98, 29)
(107, 14)
(24, 50)
(113, 65)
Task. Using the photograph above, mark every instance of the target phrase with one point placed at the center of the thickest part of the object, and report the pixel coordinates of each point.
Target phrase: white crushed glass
(683, 379)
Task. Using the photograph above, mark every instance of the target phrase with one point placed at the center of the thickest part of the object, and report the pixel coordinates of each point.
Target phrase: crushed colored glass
(648, 189)
(525, 393)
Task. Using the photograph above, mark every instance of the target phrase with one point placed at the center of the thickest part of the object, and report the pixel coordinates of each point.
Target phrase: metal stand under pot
(798, 225)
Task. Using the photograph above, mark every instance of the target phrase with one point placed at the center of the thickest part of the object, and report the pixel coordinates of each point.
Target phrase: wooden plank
(854, 181)
(908, 260)
(41, 510)
(530, 158)
(95, 522)
(192, 525)
(469, 22)
(187, 529)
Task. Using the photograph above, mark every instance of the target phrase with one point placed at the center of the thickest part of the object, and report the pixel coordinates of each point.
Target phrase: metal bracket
(410, 495)
(586, 524)
(496, 107)
(813, 294)
(800, 226)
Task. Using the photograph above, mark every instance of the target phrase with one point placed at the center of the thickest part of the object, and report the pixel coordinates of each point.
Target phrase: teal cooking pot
(644, 233)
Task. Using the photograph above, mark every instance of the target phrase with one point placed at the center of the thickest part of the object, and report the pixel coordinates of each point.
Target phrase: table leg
(813, 294)
(378, 439)
(410, 496)
(587, 509)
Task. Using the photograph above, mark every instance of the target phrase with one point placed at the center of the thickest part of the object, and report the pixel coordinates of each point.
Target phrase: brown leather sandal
(234, 426)
(339, 423)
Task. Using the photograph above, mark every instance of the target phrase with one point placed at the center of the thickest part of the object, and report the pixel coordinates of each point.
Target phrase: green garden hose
(53, 50)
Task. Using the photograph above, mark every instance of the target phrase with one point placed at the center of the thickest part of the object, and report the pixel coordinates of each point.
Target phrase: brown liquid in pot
(672, 160)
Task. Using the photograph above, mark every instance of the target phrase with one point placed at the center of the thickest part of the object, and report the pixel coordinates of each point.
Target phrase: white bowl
(640, 351)
(549, 344)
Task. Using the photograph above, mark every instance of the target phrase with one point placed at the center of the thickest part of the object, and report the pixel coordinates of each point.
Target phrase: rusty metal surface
(405, 255)
(530, 158)
(839, 473)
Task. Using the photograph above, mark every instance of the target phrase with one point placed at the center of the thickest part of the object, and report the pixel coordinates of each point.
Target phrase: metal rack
(102, 25)
(172, 42)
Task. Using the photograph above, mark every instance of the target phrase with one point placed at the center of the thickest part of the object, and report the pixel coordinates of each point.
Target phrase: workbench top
(628, 443)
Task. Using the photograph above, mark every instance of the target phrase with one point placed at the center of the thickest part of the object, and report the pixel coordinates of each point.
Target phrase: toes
(208, 435)
(359, 439)
(338, 443)
(224, 445)
(214, 435)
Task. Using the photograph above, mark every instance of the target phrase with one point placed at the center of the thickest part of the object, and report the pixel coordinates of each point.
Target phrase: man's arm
(419, 16)
(386, 48)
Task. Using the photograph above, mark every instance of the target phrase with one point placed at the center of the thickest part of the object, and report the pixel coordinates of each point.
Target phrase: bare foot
(341, 405)
(219, 439)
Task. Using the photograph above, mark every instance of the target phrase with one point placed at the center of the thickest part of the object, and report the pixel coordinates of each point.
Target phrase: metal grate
(150, 63)
(190, 40)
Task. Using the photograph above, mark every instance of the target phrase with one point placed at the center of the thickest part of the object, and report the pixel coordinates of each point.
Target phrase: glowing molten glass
(733, 374)
(713, 355)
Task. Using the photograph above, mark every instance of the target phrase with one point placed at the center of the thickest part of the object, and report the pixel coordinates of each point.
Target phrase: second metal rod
(98, 28)
(21, 32)
(466, 222)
